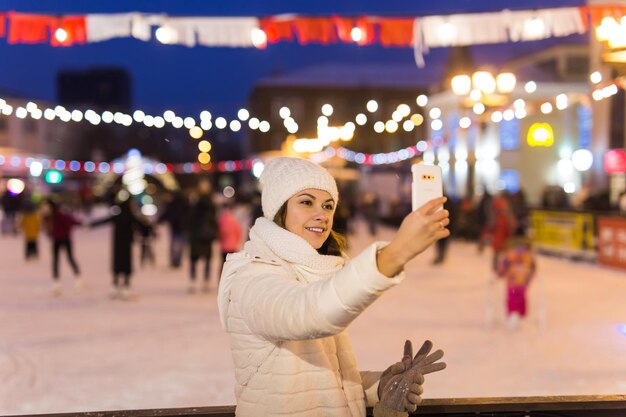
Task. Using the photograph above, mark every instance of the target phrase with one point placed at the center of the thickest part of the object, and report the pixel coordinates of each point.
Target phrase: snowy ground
(85, 352)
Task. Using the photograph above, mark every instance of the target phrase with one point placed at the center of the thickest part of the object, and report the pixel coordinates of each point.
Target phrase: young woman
(288, 296)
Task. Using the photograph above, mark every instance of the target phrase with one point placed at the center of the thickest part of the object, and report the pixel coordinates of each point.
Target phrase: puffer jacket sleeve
(277, 308)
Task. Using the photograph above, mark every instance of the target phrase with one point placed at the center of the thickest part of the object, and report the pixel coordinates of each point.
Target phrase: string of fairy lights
(196, 129)
(317, 148)
(37, 165)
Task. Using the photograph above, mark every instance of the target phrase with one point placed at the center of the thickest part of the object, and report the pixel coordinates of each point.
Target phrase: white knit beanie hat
(283, 177)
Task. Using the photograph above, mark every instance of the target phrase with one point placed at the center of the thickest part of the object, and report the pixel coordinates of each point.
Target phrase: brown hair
(335, 244)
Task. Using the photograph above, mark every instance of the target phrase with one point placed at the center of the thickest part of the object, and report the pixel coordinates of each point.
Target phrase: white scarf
(290, 248)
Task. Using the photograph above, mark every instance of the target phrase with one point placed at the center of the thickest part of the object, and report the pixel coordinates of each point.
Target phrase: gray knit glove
(400, 386)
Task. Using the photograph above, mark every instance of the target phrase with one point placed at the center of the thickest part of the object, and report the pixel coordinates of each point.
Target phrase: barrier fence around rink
(565, 233)
(556, 406)
(583, 235)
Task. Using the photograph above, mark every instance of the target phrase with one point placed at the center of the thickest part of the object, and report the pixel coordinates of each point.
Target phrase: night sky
(189, 80)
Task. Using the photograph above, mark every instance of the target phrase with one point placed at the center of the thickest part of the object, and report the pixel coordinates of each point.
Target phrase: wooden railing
(563, 406)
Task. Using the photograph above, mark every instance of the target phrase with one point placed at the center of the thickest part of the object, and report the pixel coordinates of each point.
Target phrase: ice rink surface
(83, 351)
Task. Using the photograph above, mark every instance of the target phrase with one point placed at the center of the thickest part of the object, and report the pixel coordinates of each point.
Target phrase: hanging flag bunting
(461, 29)
(59, 31)
(141, 26)
(545, 23)
(593, 15)
(422, 33)
(345, 27)
(277, 28)
(102, 27)
(69, 30)
(315, 30)
(226, 31)
(396, 32)
(179, 31)
(29, 28)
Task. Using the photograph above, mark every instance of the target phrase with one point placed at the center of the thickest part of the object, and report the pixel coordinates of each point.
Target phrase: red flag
(344, 27)
(277, 29)
(368, 29)
(396, 31)
(75, 30)
(29, 28)
(597, 13)
(315, 29)
(2, 25)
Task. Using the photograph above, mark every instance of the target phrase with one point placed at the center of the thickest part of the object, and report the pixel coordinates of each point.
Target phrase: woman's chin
(316, 243)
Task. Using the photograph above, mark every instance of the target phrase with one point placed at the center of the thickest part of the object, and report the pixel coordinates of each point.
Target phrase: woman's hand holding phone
(419, 229)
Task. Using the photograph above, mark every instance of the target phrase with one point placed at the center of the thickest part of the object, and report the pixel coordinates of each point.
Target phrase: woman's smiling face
(310, 215)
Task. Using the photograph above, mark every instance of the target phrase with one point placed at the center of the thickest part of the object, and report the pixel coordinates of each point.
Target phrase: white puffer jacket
(286, 308)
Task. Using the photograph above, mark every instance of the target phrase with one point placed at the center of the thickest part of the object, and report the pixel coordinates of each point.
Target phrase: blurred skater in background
(517, 266)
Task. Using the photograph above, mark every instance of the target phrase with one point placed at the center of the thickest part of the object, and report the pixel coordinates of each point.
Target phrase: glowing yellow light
(597, 95)
(259, 38)
(243, 114)
(166, 35)
(204, 146)
(476, 94)
(421, 100)
(308, 145)
(546, 107)
(540, 134)
(616, 40)
(461, 84)
(595, 77)
(345, 133)
(530, 87)
(403, 110)
(204, 158)
(61, 35)
(356, 34)
(506, 82)
(484, 81)
(479, 108)
(391, 126)
(607, 28)
(417, 119)
(196, 132)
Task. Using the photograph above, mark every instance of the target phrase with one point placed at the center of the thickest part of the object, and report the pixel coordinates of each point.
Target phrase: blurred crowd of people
(195, 221)
(196, 218)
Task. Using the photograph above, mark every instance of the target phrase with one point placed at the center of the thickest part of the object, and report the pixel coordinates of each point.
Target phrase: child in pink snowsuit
(517, 266)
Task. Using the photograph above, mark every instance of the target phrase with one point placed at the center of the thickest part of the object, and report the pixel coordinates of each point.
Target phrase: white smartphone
(427, 184)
